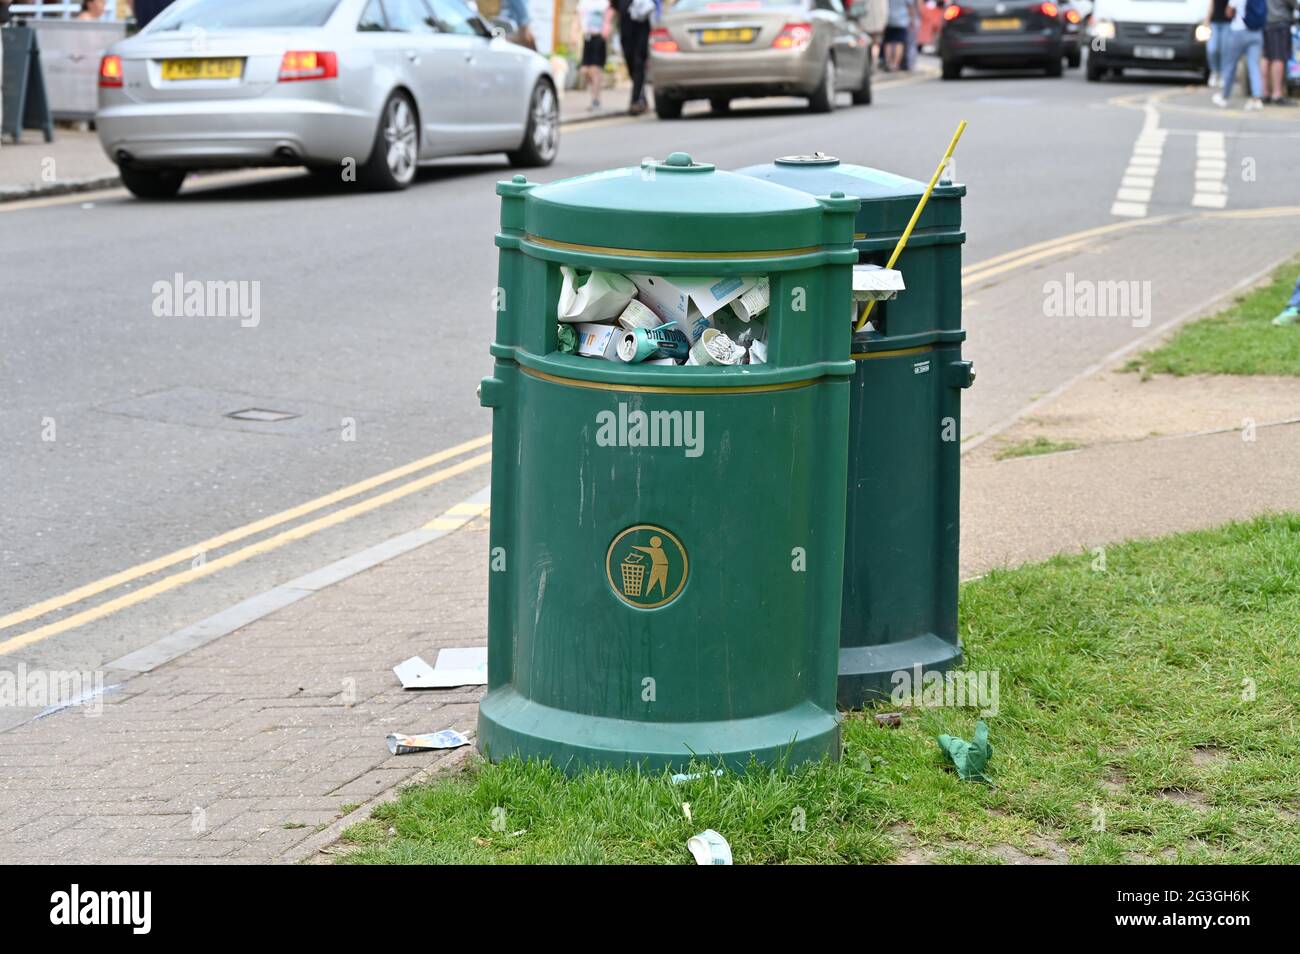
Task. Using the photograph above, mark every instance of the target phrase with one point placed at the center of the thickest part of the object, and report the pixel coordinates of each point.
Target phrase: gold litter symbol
(633, 567)
(646, 566)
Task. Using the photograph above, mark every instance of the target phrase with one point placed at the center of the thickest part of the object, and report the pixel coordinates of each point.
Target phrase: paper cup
(637, 315)
(709, 848)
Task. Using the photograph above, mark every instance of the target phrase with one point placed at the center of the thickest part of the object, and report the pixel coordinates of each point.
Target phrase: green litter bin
(666, 546)
(901, 557)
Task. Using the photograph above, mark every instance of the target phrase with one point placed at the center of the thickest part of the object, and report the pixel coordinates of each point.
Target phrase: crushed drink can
(641, 344)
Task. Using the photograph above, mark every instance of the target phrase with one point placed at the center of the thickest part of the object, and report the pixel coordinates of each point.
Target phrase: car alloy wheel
(400, 138)
(546, 122)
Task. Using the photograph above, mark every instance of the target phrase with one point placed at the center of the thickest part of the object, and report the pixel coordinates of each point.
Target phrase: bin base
(511, 726)
(866, 672)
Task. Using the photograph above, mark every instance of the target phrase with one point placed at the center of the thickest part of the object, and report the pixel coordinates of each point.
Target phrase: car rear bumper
(1008, 49)
(752, 72)
(228, 133)
(1187, 55)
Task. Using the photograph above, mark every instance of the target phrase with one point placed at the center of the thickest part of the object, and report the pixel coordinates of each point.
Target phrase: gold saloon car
(720, 50)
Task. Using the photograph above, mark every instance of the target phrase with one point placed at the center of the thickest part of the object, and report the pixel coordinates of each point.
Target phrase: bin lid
(674, 205)
(888, 200)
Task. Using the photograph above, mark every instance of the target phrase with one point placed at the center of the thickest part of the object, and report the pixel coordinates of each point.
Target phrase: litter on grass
(400, 744)
(709, 848)
(969, 758)
(890, 720)
(681, 777)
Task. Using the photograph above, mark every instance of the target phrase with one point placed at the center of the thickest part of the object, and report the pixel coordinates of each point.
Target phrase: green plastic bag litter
(970, 758)
(568, 339)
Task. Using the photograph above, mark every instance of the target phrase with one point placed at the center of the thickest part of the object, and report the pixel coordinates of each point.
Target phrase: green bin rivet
(837, 195)
(520, 180)
(679, 159)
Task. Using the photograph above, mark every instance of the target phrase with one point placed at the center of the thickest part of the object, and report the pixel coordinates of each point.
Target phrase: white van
(1147, 34)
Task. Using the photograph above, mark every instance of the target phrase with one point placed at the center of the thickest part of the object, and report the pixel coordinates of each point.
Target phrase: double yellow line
(206, 567)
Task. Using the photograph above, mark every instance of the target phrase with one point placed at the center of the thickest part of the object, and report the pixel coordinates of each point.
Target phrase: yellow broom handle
(916, 214)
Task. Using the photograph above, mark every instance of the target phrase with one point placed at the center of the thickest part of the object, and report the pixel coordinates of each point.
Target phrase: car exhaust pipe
(287, 154)
(122, 157)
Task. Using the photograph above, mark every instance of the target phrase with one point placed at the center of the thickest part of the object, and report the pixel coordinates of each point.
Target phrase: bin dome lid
(674, 205)
(887, 199)
(819, 173)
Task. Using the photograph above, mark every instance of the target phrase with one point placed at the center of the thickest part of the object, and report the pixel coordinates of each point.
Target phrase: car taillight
(794, 36)
(952, 12)
(661, 41)
(1072, 16)
(110, 71)
(308, 65)
(1049, 9)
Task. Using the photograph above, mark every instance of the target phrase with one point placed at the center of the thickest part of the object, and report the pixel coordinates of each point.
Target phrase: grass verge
(1238, 340)
(1147, 711)
(1034, 447)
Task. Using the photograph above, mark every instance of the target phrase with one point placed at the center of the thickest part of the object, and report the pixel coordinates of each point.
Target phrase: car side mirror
(503, 26)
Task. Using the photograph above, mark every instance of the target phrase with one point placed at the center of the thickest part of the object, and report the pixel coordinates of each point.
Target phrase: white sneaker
(1214, 81)
(1254, 104)
(1218, 100)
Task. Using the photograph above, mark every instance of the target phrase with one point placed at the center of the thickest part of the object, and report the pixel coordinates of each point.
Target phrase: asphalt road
(375, 315)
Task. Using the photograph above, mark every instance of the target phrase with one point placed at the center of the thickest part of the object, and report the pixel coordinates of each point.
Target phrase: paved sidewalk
(253, 747)
(74, 162)
(250, 748)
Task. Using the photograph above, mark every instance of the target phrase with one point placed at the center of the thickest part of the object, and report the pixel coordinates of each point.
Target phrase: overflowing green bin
(655, 595)
(901, 556)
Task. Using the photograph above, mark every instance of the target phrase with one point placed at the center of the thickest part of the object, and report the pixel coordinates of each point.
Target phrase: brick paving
(244, 749)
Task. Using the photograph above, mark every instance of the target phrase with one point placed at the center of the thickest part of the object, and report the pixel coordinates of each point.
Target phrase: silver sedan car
(723, 49)
(372, 87)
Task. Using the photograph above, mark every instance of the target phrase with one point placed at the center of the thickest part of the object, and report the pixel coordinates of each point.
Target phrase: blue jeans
(1247, 43)
(1295, 296)
(1216, 51)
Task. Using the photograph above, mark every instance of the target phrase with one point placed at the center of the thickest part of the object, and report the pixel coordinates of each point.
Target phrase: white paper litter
(455, 667)
(871, 282)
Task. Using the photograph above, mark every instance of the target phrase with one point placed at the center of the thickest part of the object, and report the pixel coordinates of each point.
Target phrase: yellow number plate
(1006, 23)
(745, 35)
(196, 69)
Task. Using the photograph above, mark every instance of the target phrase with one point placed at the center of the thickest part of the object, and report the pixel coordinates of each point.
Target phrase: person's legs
(636, 49)
(1234, 50)
(1254, 45)
(1217, 50)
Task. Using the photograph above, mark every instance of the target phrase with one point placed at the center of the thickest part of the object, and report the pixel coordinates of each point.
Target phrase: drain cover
(261, 415)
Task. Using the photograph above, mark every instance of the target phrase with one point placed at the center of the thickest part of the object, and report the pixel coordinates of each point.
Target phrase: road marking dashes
(1211, 171)
(1133, 197)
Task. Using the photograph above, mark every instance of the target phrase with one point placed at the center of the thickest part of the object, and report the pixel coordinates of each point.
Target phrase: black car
(1002, 34)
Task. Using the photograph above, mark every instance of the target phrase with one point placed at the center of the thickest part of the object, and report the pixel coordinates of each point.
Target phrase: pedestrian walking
(897, 28)
(592, 24)
(1290, 315)
(634, 36)
(1245, 40)
(1277, 50)
(1216, 50)
(874, 17)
